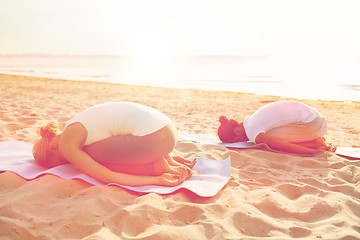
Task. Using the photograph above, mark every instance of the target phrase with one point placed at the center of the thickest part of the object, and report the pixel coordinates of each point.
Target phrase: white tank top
(119, 118)
(277, 114)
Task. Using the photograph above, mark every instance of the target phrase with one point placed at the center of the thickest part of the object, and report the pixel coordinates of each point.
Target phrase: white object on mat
(213, 140)
(348, 152)
(211, 175)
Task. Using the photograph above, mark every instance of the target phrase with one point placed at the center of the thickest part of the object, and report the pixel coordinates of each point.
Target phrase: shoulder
(74, 133)
(262, 138)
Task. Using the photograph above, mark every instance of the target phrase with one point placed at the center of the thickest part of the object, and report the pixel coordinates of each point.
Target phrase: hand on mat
(182, 171)
(184, 161)
(168, 165)
(180, 165)
(169, 179)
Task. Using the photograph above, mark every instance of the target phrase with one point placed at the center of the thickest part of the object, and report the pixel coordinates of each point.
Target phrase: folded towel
(213, 140)
(211, 175)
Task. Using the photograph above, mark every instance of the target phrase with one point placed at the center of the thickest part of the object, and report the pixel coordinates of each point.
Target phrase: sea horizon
(259, 74)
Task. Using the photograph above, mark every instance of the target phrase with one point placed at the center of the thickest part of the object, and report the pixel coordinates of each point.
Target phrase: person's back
(119, 118)
(278, 114)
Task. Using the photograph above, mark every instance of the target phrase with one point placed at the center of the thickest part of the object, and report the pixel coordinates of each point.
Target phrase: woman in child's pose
(287, 126)
(118, 142)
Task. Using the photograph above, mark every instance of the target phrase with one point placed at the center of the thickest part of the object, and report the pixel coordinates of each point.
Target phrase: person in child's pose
(287, 126)
(118, 142)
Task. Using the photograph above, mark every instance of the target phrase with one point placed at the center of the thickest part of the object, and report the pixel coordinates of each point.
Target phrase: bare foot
(330, 147)
(321, 143)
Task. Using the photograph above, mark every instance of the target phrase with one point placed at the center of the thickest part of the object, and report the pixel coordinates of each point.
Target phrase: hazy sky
(179, 27)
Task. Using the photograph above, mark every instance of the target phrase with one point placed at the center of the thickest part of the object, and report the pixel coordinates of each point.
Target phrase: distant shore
(27, 102)
(259, 74)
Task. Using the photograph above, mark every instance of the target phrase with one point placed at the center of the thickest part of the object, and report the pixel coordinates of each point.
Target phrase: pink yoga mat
(213, 140)
(209, 178)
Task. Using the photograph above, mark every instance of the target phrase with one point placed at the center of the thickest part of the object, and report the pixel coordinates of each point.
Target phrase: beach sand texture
(270, 195)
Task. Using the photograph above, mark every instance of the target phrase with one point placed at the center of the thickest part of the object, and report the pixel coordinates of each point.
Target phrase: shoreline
(200, 108)
(95, 78)
(276, 74)
(23, 76)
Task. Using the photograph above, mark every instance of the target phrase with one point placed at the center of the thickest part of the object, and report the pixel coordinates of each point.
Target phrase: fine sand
(270, 195)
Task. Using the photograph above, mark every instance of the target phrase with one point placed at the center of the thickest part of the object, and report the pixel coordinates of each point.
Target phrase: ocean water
(321, 77)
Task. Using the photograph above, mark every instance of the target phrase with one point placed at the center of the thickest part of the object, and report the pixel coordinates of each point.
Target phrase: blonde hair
(40, 149)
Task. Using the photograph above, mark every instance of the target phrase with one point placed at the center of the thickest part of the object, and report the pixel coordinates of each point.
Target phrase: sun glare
(149, 59)
(153, 48)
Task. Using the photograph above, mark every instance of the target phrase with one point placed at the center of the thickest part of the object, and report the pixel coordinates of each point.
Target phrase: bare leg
(129, 149)
(318, 143)
(145, 155)
(308, 135)
(155, 168)
(300, 132)
(145, 169)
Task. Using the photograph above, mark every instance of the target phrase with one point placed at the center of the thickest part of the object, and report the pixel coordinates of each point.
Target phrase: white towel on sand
(209, 178)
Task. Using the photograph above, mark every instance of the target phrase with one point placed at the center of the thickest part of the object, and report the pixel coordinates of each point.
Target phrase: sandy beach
(269, 196)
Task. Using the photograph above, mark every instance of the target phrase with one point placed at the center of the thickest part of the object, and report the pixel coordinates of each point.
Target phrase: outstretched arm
(70, 146)
(284, 146)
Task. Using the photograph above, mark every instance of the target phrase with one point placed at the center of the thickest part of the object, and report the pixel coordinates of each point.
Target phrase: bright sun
(153, 48)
